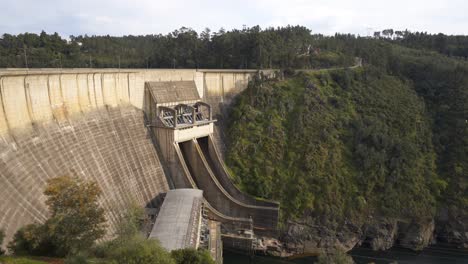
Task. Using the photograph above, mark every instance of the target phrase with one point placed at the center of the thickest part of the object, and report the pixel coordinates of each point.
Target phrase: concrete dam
(137, 133)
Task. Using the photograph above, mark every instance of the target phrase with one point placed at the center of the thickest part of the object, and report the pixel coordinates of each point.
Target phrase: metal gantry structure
(185, 115)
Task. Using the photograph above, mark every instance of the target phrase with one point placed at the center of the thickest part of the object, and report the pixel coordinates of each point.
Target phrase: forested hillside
(339, 143)
(386, 140)
(288, 47)
(284, 47)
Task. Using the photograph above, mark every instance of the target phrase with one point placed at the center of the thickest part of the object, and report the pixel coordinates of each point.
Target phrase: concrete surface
(178, 223)
(110, 146)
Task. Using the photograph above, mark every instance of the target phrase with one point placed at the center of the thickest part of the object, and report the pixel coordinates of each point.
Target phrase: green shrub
(137, 250)
(128, 227)
(130, 223)
(337, 257)
(192, 256)
(31, 240)
(79, 258)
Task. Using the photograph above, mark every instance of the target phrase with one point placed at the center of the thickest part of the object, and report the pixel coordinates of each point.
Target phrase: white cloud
(330, 16)
(119, 17)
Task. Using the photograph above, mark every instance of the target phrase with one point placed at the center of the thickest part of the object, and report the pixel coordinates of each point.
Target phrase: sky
(140, 17)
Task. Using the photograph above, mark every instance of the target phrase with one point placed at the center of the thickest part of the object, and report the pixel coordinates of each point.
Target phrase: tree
(77, 220)
(130, 223)
(206, 35)
(399, 34)
(388, 33)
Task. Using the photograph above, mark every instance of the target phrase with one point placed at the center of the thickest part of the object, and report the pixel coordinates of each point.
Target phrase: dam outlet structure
(138, 133)
(183, 127)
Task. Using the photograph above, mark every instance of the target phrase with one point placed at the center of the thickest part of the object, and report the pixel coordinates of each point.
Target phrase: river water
(431, 255)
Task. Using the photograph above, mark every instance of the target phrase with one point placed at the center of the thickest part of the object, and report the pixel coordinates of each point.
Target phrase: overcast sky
(136, 17)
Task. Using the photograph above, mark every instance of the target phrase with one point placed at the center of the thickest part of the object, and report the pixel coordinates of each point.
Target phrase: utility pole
(25, 57)
(119, 61)
(90, 62)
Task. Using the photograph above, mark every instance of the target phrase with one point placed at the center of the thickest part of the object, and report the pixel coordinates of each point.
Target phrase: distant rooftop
(178, 221)
(172, 92)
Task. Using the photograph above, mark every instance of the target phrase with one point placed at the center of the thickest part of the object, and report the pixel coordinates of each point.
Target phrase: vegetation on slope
(453, 46)
(336, 143)
(388, 140)
(442, 83)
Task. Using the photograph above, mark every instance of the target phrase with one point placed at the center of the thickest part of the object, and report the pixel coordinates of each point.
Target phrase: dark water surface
(431, 255)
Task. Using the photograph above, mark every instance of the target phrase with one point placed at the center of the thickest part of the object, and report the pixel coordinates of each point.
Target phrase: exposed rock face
(416, 236)
(311, 238)
(381, 234)
(452, 227)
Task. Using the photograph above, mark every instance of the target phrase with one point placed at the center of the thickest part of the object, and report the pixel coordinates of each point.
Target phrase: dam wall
(109, 146)
(30, 96)
(87, 123)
